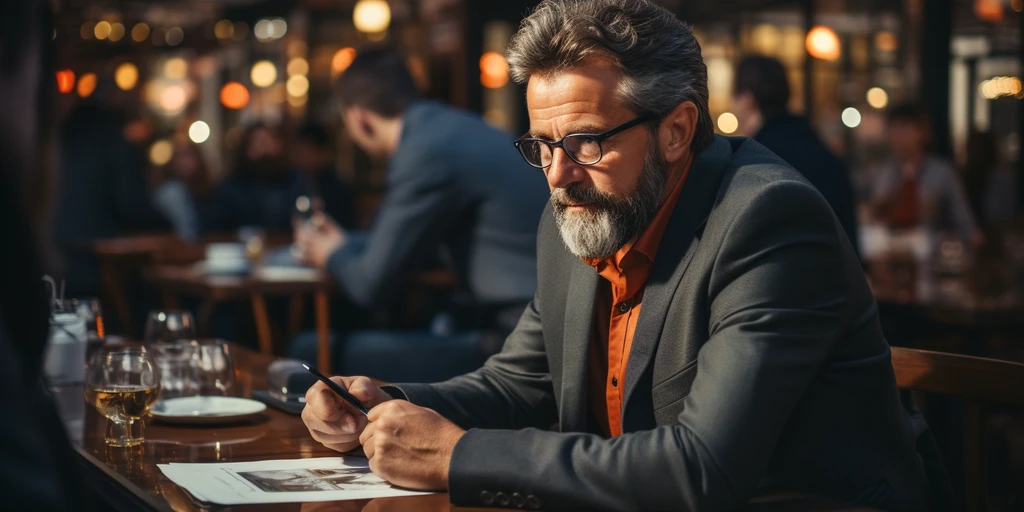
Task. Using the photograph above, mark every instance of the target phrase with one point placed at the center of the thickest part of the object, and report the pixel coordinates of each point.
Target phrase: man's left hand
(318, 239)
(410, 446)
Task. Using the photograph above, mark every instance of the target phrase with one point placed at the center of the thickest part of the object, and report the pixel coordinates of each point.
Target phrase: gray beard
(613, 222)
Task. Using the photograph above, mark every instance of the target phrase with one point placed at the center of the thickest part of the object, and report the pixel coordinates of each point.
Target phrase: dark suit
(758, 364)
(794, 140)
(455, 186)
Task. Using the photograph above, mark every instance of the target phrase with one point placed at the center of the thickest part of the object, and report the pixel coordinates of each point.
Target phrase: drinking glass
(122, 385)
(215, 368)
(167, 326)
(177, 364)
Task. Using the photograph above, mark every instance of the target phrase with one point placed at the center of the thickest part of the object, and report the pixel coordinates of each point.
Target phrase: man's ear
(676, 131)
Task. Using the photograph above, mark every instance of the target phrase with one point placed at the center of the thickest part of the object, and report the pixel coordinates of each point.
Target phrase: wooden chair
(978, 381)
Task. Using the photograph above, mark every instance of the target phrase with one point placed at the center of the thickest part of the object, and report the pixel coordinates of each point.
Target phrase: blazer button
(532, 502)
(487, 497)
(623, 307)
(501, 498)
(518, 500)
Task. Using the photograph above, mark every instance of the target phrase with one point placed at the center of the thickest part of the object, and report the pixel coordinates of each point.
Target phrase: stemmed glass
(216, 371)
(167, 326)
(122, 385)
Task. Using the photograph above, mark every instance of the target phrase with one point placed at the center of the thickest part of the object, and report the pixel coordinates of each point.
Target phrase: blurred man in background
(456, 190)
(313, 157)
(919, 189)
(760, 102)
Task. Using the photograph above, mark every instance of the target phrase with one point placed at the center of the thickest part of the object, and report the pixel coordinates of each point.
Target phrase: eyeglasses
(582, 148)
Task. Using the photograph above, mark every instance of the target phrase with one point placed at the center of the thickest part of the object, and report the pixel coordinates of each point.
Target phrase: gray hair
(658, 56)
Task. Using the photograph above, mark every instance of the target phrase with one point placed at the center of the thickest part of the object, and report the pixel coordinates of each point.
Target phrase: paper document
(282, 481)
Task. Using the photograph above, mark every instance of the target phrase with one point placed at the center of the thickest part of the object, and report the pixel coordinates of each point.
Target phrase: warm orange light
(493, 70)
(342, 60)
(65, 80)
(234, 95)
(887, 41)
(173, 98)
(87, 84)
(823, 43)
(989, 10)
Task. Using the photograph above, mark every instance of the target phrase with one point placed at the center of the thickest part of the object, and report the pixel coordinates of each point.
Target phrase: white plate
(281, 273)
(195, 410)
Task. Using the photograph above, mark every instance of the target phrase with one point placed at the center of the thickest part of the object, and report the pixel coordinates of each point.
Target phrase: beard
(610, 222)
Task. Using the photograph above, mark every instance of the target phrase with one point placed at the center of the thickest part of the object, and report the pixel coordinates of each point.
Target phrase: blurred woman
(261, 190)
(37, 465)
(183, 190)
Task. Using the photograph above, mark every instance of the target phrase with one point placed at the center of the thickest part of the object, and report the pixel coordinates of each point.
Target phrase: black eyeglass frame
(597, 137)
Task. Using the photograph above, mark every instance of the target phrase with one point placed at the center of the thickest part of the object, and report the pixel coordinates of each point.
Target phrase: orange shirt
(618, 307)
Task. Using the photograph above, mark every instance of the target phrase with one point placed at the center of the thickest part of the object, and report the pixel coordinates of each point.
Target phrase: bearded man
(702, 330)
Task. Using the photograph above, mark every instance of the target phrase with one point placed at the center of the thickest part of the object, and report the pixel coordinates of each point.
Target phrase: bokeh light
(297, 85)
(65, 80)
(174, 36)
(493, 70)
(116, 32)
(102, 30)
(173, 99)
(161, 152)
(371, 16)
(851, 117)
(1000, 86)
(140, 32)
(728, 123)
(263, 73)
(298, 66)
(175, 68)
(86, 85)
(234, 95)
(88, 29)
(342, 60)
(887, 41)
(199, 132)
(126, 76)
(224, 29)
(877, 97)
(823, 43)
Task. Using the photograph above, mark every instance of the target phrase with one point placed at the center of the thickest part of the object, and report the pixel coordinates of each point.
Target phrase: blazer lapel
(674, 254)
(579, 322)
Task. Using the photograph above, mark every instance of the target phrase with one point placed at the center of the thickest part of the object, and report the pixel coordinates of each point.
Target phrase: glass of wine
(216, 371)
(167, 326)
(122, 385)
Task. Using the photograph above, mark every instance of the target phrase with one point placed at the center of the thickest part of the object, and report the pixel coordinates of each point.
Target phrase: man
(456, 192)
(701, 331)
(918, 189)
(314, 158)
(760, 102)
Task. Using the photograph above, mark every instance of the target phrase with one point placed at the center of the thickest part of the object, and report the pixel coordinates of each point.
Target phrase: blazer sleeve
(776, 306)
(420, 204)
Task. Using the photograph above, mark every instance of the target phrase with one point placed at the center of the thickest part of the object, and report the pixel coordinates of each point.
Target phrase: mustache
(575, 194)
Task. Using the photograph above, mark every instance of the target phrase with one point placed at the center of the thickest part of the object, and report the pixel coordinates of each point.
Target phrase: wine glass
(168, 326)
(177, 364)
(216, 370)
(122, 385)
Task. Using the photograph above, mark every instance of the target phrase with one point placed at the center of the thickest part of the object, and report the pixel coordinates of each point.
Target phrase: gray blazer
(758, 364)
(457, 189)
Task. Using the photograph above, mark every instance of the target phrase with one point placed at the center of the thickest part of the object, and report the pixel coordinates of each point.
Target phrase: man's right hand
(334, 422)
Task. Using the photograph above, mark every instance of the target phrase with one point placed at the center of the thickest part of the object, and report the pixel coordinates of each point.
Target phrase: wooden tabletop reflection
(128, 479)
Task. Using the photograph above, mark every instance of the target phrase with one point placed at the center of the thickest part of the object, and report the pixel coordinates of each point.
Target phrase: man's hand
(318, 239)
(410, 446)
(334, 422)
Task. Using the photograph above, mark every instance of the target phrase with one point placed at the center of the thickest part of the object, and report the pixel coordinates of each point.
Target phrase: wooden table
(176, 280)
(129, 480)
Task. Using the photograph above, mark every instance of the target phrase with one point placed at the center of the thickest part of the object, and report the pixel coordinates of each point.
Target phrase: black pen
(340, 391)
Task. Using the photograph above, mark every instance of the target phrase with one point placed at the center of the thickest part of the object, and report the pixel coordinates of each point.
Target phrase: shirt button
(615, 382)
(623, 307)
(487, 497)
(517, 500)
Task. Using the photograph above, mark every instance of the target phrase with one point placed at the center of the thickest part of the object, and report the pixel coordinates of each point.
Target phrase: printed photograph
(312, 480)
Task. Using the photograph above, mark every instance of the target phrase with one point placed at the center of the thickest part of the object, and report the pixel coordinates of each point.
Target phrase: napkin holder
(287, 383)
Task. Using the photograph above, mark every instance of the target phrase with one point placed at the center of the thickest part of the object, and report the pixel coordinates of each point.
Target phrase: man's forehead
(577, 93)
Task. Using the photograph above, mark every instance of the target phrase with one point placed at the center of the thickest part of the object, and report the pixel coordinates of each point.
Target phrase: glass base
(125, 442)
